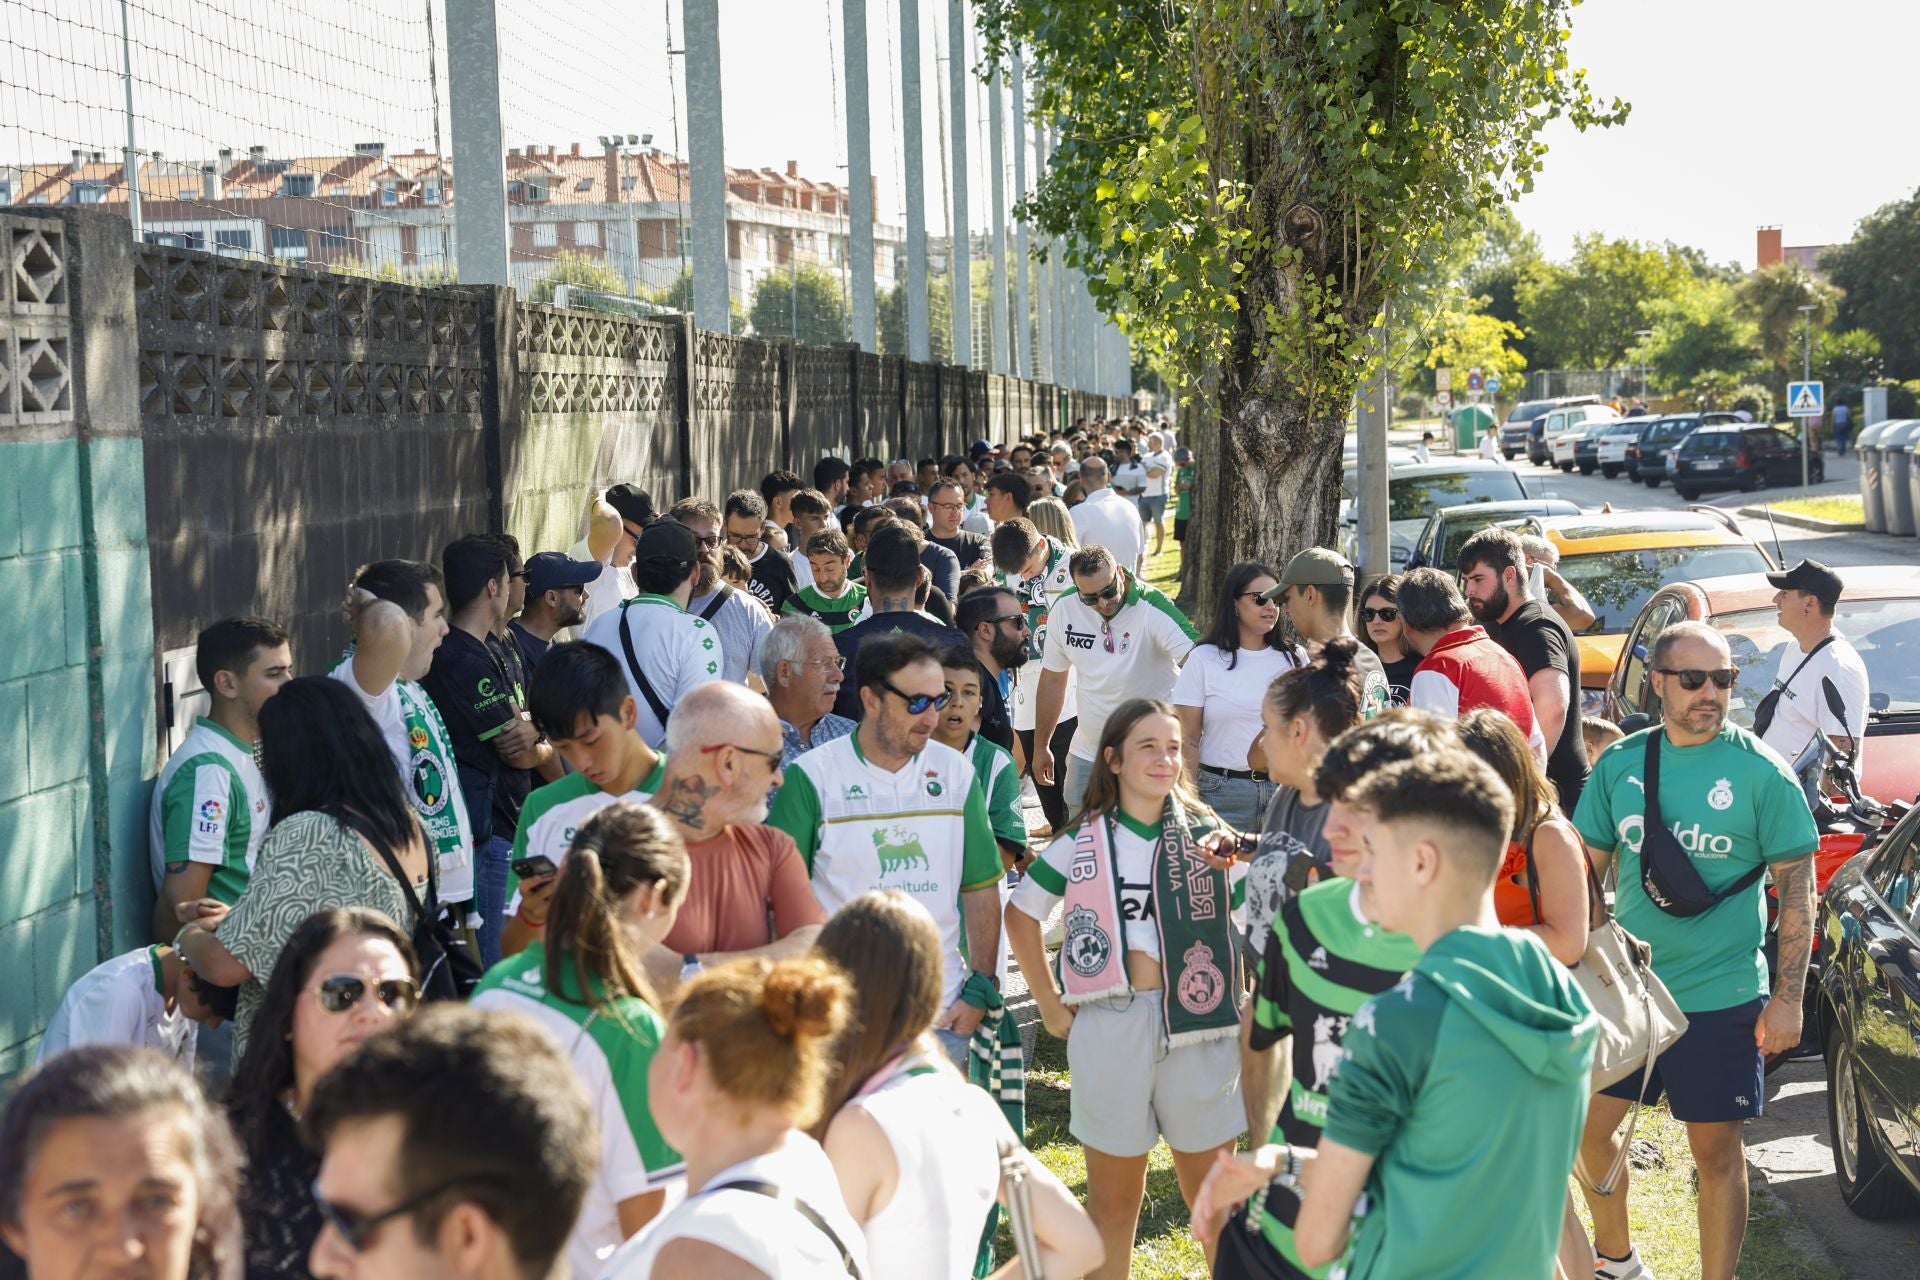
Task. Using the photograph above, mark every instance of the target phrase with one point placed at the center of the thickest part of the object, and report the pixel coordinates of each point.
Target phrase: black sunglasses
(999, 618)
(1691, 678)
(1388, 614)
(1107, 592)
(342, 991)
(917, 703)
(357, 1229)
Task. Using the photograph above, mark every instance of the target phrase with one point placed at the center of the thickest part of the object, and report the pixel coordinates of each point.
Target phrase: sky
(1745, 112)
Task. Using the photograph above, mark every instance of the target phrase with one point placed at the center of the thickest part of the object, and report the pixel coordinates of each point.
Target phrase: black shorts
(1180, 528)
(1713, 1072)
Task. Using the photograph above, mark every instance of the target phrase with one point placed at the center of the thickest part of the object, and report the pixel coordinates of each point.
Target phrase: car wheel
(1652, 482)
(1872, 1188)
(1685, 493)
(1610, 472)
(1507, 454)
(1586, 468)
(1566, 467)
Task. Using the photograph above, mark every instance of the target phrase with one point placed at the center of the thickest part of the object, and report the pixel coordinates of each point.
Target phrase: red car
(1879, 614)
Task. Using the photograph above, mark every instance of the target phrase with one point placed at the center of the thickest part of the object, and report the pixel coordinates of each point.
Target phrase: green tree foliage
(803, 302)
(1879, 271)
(1247, 182)
(1773, 298)
(890, 311)
(678, 296)
(1847, 360)
(1583, 314)
(1468, 338)
(580, 272)
(1700, 334)
(1505, 254)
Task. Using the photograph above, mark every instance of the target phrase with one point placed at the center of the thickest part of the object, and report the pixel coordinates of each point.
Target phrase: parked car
(1878, 613)
(1619, 438)
(1581, 446)
(1416, 490)
(1557, 422)
(1520, 419)
(1647, 457)
(1448, 529)
(1870, 1008)
(1744, 457)
(1617, 560)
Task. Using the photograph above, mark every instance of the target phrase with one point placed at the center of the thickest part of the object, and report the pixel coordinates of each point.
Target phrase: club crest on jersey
(933, 783)
(1087, 946)
(1202, 985)
(417, 738)
(1721, 797)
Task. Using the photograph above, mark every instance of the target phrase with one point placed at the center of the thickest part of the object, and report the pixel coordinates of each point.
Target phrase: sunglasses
(357, 1229)
(1691, 678)
(1019, 618)
(1388, 614)
(771, 757)
(918, 703)
(1107, 592)
(342, 991)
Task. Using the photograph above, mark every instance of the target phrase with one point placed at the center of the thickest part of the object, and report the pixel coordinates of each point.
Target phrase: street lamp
(1643, 335)
(1806, 311)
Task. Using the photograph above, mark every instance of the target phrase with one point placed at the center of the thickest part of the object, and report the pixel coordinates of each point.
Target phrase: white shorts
(1129, 1088)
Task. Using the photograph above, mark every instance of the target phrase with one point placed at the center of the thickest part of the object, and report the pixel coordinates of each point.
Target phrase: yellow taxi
(1617, 559)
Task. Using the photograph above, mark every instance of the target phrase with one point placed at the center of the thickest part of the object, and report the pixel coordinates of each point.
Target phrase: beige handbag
(1639, 1019)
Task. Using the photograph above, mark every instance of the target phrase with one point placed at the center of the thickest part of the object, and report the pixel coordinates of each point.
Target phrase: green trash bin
(1469, 421)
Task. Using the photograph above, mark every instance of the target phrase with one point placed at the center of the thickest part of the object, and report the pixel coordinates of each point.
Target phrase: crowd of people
(644, 909)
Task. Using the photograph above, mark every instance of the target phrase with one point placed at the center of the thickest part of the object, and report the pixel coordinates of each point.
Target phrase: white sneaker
(1628, 1268)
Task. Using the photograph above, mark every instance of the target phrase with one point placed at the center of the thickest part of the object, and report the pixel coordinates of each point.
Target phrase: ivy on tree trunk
(1246, 184)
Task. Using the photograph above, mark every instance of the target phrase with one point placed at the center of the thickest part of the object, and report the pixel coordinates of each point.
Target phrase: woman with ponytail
(619, 890)
(739, 1078)
(917, 1148)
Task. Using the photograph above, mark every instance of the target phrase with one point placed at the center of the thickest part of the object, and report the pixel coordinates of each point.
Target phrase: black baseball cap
(633, 503)
(667, 542)
(984, 448)
(551, 570)
(1812, 577)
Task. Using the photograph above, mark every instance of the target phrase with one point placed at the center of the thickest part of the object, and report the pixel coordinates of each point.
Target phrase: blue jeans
(1074, 789)
(957, 1047)
(490, 895)
(1241, 803)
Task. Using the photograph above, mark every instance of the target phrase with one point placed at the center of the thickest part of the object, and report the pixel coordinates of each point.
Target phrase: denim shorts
(1151, 509)
(1241, 803)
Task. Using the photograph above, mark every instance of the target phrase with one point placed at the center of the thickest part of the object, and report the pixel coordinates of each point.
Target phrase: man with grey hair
(803, 672)
(1105, 519)
(899, 471)
(1462, 669)
(1561, 596)
(1698, 811)
(748, 894)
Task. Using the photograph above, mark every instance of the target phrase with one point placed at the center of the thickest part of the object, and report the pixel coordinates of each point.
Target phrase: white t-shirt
(606, 591)
(1802, 708)
(677, 650)
(119, 1002)
(1229, 701)
(946, 1136)
(1130, 479)
(1490, 445)
(1136, 655)
(1421, 453)
(1108, 520)
(1157, 484)
(802, 571)
(760, 1230)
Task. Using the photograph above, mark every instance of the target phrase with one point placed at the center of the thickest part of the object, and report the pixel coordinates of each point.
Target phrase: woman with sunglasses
(345, 974)
(619, 892)
(112, 1162)
(1383, 633)
(918, 1149)
(343, 835)
(1146, 993)
(1219, 692)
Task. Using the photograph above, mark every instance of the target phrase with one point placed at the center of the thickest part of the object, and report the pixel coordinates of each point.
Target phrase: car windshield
(1618, 583)
(1886, 633)
(1710, 443)
(1415, 497)
(1626, 429)
(1670, 428)
(1528, 410)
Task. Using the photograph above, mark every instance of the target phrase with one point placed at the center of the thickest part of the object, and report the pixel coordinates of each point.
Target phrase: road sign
(1474, 381)
(1443, 397)
(1806, 399)
(1493, 386)
(1443, 379)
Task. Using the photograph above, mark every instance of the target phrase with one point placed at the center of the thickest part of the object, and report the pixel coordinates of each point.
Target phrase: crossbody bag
(761, 1187)
(1763, 711)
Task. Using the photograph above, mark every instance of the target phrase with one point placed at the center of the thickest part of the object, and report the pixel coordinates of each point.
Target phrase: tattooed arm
(1779, 1027)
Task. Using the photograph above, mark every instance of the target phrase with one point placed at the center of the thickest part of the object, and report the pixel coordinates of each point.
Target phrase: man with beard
(556, 599)
(740, 619)
(995, 624)
(1493, 570)
(747, 893)
(1727, 806)
(886, 807)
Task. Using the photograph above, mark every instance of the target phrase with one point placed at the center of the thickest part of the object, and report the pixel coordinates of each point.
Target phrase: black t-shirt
(1539, 641)
(476, 700)
(532, 647)
(968, 548)
(944, 566)
(773, 579)
(1400, 676)
(996, 721)
(515, 785)
(880, 624)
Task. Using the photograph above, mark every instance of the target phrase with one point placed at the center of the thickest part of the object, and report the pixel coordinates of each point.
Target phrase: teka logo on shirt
(1079, 639)
(1721, 797)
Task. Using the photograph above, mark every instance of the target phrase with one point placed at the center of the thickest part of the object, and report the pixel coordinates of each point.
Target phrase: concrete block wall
(76, 653)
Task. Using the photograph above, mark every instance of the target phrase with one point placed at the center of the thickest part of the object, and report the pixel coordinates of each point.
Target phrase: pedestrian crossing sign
(1805, 399)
